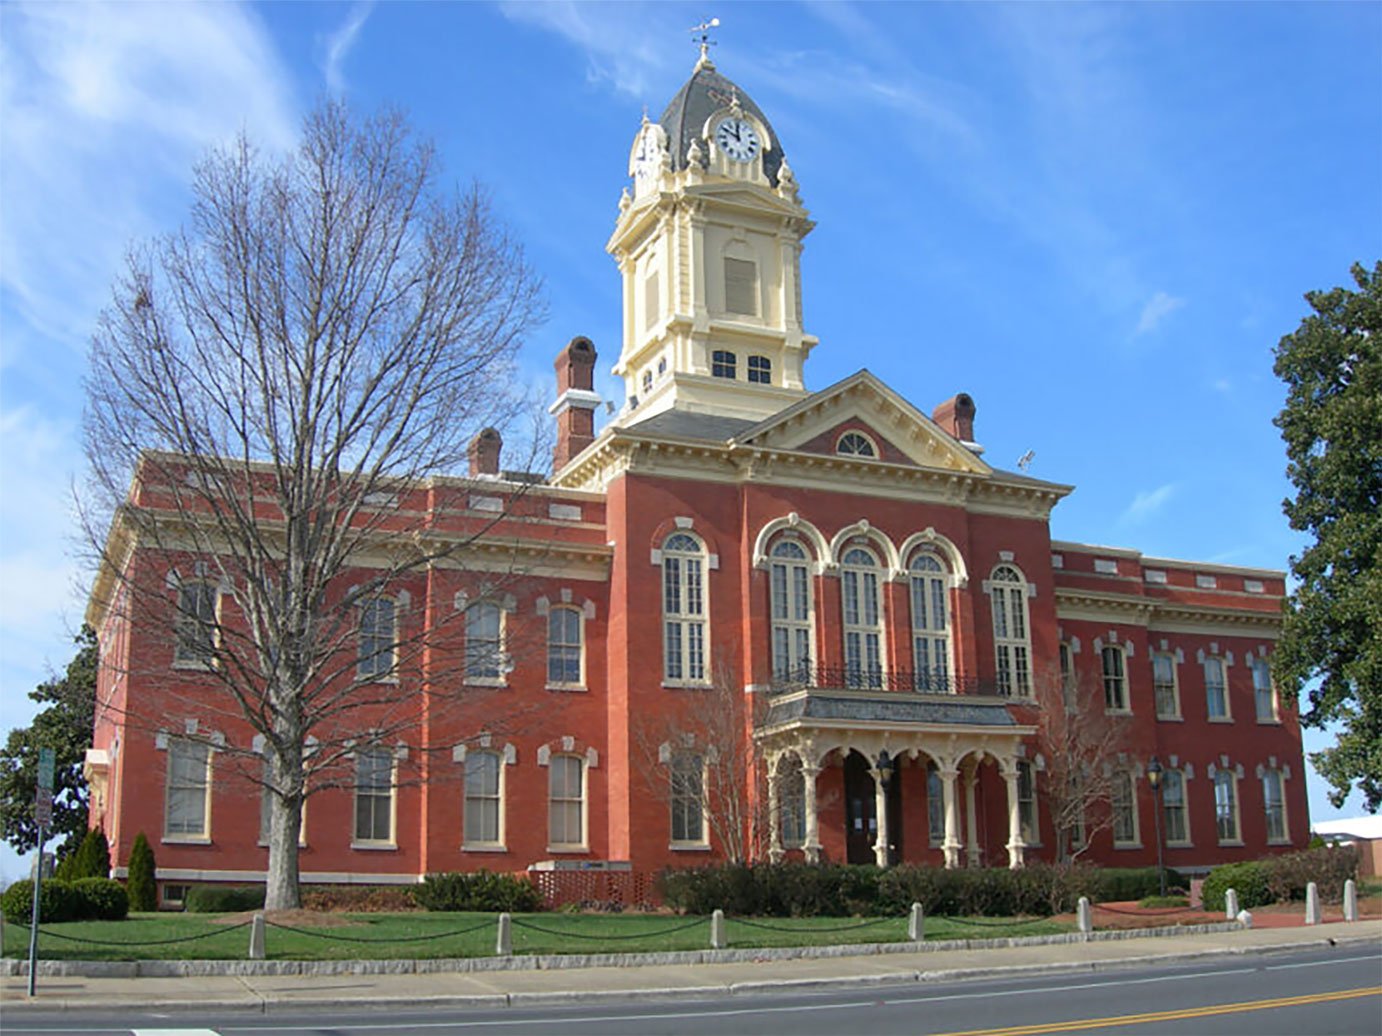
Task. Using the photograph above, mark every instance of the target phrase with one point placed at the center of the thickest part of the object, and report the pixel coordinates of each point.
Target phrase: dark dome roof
(704, 93)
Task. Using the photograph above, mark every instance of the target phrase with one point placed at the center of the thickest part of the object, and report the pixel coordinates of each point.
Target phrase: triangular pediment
(748, 196)
(900, 433)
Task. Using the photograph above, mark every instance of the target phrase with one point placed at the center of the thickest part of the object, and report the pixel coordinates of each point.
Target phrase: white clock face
(737, 139)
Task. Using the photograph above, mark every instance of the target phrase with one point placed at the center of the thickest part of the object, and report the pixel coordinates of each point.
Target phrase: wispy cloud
(1157, 308)
(1146, 503)
(339, 45)
(629, 53)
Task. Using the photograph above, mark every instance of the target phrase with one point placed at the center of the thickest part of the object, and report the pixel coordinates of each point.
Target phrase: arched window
(1274, 804)
(790, 583)
(930, 624)
(760, 370)
(724, 364)
(484, 642)
(855, 444)
(688, 798)
(195, 624)
(566, 802)
(1226, 806)
(564, 655)
(1115, 679)
(1008, 593)
(683, 608)
(863, 625)
(377, 638)
(1175, 815)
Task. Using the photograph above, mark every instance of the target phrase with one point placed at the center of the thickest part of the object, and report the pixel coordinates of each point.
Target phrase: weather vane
(704, 32)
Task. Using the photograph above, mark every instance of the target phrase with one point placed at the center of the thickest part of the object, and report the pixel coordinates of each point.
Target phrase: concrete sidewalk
(501, 988)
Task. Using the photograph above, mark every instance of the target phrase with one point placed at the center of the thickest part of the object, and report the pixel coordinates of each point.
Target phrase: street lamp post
(1154, 772)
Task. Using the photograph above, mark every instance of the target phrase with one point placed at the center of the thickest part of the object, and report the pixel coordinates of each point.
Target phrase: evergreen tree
(141, 887)
(64, 725)
(1331, 645)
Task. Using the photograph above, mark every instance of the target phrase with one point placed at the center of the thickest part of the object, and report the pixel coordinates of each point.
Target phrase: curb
(12, 968)
(260, 1003)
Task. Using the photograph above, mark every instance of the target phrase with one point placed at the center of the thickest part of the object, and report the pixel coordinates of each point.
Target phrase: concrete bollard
(916, 924)
(1244, 918)
(1350, 900)
(257, 937)
(717, 931)
(1312, 903)
(503, 942)
(1231, 904)
(1085, 916)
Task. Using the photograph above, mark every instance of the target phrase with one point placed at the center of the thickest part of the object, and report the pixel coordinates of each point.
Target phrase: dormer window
(724, 364)
(760, 370)
(855, 444)
(741, 286)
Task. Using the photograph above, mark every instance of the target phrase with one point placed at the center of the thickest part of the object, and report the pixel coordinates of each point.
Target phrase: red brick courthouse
(882, 605)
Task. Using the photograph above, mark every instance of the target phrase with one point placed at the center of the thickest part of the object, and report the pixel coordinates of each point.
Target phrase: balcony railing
(902, 681)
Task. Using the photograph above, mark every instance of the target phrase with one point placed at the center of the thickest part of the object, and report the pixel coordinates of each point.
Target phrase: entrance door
(861, 813)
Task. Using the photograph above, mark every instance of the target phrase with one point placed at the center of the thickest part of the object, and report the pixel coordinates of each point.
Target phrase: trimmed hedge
(479, 891)
(1280, 879)
(839, 890)
(89, 899)
(223, 899)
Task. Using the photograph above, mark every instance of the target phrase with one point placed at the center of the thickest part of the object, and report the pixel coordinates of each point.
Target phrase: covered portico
(810, 726)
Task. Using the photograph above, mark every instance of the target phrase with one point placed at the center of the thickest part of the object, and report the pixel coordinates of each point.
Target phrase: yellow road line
(1168, 1016)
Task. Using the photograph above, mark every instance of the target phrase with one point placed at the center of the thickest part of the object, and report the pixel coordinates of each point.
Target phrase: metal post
(33, 917)
(1156, 824)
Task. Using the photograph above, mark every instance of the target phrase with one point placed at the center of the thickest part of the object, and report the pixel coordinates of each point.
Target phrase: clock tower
(709, 246)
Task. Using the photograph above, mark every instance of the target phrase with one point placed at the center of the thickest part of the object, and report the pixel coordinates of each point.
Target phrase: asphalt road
(1317, 993)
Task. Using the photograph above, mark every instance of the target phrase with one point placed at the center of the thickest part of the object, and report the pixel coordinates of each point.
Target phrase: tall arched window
(930, 624)
(1008, 592)
(863, 626)
(683, 608)
(790, 582)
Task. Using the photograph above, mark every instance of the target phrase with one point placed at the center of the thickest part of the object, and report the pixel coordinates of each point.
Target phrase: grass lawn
(427, 935)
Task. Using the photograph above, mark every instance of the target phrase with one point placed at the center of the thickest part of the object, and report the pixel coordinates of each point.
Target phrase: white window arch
(1012, 646)
(930, 584)
(860, 576)
(683, 609)
(789, 577)
(855, 444)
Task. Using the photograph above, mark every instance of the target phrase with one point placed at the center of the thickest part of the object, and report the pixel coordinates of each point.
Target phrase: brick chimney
(576, 401)
(956, 418)
(484, 453)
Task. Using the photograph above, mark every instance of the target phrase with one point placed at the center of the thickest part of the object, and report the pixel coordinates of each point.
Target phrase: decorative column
(951, 845)
(971, 815)
(812, 846)
(880, 812)
(1015, 843)
(774, 812)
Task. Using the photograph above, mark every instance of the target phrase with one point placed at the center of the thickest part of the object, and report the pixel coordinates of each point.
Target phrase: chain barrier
(1150, 913)
(811, 931)
(972, 923)
(517, 923)
(126, 942)
(355, 938)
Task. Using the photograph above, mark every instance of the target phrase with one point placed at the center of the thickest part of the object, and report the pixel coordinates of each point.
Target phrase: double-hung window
(186, 810)
(1124, 802)
(1264, 695)
(195, 627)
(1164, 686)
(1173, 809)
(1215, 688)
(1115, 679)
(683, 609)
(1026, 802)
(483, 800)
(935, 806)
(863, 627)
(484, 642)
(566, 802)
(1274, 803)
(1226, 806)
(930, 624)
(1008, 594)
(564, 654)
(377, 638)
(789, 574)
(688, 798)
(374, 796)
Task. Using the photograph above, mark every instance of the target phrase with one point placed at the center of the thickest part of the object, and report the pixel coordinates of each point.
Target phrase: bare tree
(1080, 745)
(275, 396)
(702, 761)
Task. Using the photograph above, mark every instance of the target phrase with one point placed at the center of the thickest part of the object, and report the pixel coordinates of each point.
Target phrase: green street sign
(47, 758)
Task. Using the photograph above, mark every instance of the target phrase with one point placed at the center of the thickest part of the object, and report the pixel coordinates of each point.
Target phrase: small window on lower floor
(173, 897)
(760, 370)
(1124, 802)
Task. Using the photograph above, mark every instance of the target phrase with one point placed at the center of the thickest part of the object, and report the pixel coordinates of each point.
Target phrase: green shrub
(91, 858)
(1249, 879)
(57, 901)
(101, 899)
(140, 886)
(479, 891)
(1329, 867)
(1121, 884)
(223, 899)
(1163, 902)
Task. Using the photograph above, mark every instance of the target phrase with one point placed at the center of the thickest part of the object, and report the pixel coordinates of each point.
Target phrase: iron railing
(904, 681)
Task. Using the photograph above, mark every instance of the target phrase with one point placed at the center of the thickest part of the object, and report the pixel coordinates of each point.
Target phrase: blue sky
(1096, 219)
